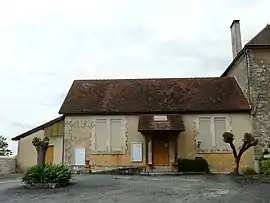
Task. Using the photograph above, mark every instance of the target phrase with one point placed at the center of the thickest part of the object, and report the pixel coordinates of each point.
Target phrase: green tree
(4, 151)
(248, 142)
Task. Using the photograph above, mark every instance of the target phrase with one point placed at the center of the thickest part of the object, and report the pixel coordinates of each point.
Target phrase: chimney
(236, 37)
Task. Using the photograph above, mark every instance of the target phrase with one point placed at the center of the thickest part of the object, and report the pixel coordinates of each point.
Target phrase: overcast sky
(45, 45)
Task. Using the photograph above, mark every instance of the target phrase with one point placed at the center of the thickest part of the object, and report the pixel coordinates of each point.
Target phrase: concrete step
(162, 174)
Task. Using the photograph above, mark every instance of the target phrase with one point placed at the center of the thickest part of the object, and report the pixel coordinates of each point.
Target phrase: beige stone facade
(80, 133)
(108, 142)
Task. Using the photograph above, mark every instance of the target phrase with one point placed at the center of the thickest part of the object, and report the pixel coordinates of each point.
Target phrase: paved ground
(131, 189)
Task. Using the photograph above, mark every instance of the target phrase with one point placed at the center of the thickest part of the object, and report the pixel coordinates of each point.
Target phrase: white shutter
(101, 135)
(220, 128)
(205, 135)
(117, 130)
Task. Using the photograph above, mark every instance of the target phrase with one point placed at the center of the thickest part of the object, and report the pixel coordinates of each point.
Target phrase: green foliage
(249, 171)
(47, 174)
(4, 151)
(193, 165)
(228, 137)
(265, 167)
(249, 139)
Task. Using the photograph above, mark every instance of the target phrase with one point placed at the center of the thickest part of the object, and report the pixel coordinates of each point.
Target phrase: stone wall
(7, 164)
(239, 71)
(259, 75)
(252, 71)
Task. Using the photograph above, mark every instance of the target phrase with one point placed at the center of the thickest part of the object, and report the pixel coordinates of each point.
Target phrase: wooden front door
(160, 150)
(49, 155)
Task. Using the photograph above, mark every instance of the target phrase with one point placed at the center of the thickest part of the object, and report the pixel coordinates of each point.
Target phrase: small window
(136, 150)
(160, 118)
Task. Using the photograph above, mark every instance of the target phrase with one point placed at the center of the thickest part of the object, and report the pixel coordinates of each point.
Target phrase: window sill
(135, 161)
(108, 153)
(214, 151)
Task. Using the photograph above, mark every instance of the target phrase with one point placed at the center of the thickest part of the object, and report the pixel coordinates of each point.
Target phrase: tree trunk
(41, 153)
(236, 165)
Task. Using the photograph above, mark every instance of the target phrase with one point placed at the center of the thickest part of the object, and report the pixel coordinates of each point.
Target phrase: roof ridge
(110, 79)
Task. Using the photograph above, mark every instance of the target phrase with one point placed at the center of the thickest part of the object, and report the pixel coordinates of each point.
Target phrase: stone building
(154, 122)
(251, 68)
(144, 122)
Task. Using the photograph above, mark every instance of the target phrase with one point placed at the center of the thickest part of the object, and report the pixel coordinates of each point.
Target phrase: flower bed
(49, 176)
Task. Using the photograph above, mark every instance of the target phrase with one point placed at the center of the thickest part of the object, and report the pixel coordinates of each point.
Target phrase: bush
(49, 174)
(265, 167)
(249, 171)
(193, 165)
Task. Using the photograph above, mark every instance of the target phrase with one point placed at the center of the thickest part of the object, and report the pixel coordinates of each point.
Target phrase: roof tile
(128, 96)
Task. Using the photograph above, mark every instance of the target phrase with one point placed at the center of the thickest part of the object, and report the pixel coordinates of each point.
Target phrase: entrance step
(160, 170)
(168, 173)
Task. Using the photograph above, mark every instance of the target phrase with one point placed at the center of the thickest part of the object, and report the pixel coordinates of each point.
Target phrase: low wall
(7, 164)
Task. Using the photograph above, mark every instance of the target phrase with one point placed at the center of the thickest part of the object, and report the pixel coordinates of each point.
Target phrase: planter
(150, 167)
(174, 166)
(87, 164)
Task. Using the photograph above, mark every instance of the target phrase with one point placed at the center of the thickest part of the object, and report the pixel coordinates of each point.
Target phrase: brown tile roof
(41, 127)
(174, 123)
(140, 96)
(262, 38)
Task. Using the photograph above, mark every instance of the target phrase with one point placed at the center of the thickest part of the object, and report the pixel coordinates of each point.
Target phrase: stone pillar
(149, 143)
(146, 150)
(172, 150)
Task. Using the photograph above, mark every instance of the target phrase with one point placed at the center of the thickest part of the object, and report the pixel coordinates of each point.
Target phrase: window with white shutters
(210, 132)
(110, 136)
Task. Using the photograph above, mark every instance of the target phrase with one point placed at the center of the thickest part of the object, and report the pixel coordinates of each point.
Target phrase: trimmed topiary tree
(248, 142)
(41, 147)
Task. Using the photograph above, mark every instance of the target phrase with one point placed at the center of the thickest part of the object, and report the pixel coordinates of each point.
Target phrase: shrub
(265, 167)
(249, 171)
(47, 174)
(193, 165)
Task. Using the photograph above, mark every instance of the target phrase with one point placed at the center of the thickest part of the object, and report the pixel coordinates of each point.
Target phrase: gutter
(247, 57)
(63, 143)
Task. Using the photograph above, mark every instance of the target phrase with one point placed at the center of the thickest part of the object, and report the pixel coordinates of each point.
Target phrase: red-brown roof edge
(160, 112)
(29, 132)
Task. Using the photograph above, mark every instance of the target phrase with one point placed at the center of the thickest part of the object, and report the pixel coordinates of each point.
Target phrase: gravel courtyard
(131, 189)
